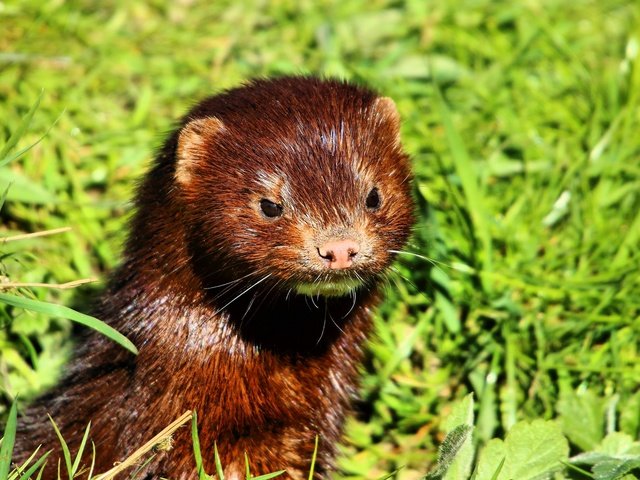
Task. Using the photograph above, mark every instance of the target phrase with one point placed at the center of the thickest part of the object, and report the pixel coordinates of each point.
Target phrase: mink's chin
(336, 288)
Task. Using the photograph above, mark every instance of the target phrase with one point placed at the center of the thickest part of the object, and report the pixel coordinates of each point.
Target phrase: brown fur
(269, 369)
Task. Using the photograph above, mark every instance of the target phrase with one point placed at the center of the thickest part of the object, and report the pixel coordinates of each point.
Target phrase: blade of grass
(42, 233)
(39, 477)
(465, 170)
(135, 456)
(219, 470)
(19, 131)
(313, 459)
(197, 453)
(32, 469)
(141, 467)
(389, 475)
(3, 198)
(66, 312)
(498, 470)
(8, 441)
(76, 463)
(267, 476)
(19, 153)
(93, 459)
(65, 450)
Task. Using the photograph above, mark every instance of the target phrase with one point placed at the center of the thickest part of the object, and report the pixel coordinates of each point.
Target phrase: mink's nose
(339, 254)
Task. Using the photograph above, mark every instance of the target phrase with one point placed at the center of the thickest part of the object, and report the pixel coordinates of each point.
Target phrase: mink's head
(300, 184)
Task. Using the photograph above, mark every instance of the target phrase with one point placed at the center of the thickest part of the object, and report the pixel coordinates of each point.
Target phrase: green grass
(523, 121)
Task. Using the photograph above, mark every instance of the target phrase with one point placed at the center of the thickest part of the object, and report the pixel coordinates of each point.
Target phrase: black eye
(270, 209)
(373, 199)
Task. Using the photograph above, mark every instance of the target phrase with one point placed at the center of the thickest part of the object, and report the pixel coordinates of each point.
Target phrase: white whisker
(229, 283)
(245, 291)
(353, 304)
(324, 322)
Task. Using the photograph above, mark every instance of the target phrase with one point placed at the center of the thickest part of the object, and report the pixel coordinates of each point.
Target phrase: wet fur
(267, 370)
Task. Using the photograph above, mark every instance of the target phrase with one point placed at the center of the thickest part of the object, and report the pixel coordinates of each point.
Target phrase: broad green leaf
(491, 460)
(615, 469)
(531, 451)
(457, 452)
(581, 415)
(617, 443)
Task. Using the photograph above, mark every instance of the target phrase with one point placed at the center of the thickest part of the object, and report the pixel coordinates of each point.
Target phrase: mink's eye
(270, 209)
(373, 199)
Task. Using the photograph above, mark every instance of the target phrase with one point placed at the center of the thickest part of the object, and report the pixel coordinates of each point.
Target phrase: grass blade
(219, 470)
(8, 441)
(32, 469)
(19, 132)
(313, 459)
(389, 475)
(76, 463)
(197, 453)
(465, 171)
(66, 312)
(65, 450)
(267, 476)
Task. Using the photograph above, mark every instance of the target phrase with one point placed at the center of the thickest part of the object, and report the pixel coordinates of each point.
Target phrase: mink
(262, 234)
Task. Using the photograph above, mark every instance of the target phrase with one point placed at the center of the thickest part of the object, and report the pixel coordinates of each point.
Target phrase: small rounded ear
(386, 108)
(192, 145)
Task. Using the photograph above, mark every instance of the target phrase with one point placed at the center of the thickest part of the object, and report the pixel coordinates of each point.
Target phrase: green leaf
(460, 442)
(491, 460)
(581, 415)
(617, 444)
(8, 440)
(66, 312)
(615, 469)
(530, 451)
(455, 455)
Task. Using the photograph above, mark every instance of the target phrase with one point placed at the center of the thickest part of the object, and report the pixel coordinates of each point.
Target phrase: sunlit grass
(522, 119)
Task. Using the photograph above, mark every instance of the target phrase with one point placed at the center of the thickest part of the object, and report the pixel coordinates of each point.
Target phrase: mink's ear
(193, 144)
(386, 109)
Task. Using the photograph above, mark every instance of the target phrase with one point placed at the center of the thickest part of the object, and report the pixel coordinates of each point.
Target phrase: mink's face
(311, 199)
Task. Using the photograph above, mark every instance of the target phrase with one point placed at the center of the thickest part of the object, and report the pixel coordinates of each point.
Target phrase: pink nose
(339, 254)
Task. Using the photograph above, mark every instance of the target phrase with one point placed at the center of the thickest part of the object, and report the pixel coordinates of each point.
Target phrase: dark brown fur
(269, 370)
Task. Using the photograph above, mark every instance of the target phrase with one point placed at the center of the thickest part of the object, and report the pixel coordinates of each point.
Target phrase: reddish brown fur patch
(207, 286)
